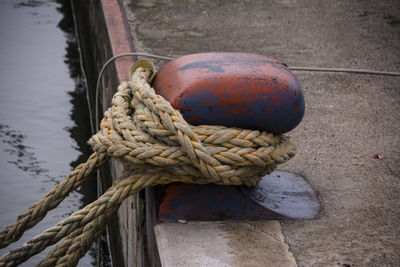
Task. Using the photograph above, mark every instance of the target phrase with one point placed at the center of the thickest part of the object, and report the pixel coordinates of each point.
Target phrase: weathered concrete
(223, 244)
(103, 34)
(348, 117)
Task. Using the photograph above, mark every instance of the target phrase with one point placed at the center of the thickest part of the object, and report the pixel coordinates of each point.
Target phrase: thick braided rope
(104, 206)
(75, 245)
(38, 211)
(150, 136)
(61, 249)
(142, 130)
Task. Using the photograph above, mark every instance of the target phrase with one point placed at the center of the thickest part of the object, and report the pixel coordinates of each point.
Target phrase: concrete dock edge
(104, 33)
(349, 119)
(133, 242)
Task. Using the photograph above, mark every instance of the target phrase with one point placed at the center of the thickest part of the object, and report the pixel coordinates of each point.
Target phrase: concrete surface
(348, 119)
(218, 244)
(102, 34)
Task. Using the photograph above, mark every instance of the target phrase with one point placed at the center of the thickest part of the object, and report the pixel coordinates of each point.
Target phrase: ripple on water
(44, 119)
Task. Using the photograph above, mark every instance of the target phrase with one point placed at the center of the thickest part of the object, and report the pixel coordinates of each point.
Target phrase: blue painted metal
(210, 202)
(285, 193)
(236, 90)
(233, 89)
(278, 196)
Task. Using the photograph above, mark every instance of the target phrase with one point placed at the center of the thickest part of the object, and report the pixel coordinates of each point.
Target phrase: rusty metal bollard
(233, 89)
(236, 90)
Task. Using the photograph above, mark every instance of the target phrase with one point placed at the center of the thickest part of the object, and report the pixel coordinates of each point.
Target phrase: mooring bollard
(158, 146)
(237, 90)
(241, 90)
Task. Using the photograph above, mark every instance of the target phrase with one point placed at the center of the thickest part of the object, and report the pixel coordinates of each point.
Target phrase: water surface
(44, 118)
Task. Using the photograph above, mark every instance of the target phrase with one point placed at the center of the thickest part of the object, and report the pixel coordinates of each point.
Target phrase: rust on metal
(278, 196)
(233, 89)
(210, 202)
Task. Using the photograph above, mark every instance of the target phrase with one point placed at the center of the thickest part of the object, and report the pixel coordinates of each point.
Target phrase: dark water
(44, 115)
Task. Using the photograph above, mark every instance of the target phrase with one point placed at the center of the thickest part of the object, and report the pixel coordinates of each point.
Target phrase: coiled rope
(157, 146)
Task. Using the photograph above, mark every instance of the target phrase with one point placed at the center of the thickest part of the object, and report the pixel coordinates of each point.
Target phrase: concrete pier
(349, 118)
(103, 33)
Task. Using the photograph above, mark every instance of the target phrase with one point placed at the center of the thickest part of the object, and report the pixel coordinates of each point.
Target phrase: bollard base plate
(285, 193)
(278, 196)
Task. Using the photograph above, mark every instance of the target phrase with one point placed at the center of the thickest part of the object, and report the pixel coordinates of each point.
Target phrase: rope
(359, 71)
(142, 130)
(111, 60)
(157, 146)
(295, 68)
(97, 112)
(38, 211)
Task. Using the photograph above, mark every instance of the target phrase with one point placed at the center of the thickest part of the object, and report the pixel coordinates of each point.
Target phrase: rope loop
(157, 146)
